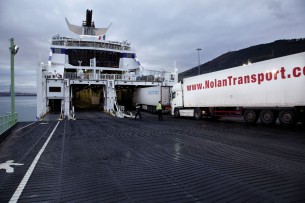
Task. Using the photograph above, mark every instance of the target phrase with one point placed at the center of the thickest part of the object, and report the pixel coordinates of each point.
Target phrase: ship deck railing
(7, 121)
(92, 76)
(102, 44)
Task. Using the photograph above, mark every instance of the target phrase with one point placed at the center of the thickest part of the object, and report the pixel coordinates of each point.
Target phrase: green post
(12, 50)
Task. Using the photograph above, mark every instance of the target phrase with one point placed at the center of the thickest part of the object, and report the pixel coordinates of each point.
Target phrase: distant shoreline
(8, 94)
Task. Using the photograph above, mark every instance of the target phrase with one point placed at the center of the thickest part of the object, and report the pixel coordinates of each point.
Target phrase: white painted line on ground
(28, 174)
(25, 126)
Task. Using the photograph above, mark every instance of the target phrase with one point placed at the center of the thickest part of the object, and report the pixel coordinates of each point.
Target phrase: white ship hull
(90, 72)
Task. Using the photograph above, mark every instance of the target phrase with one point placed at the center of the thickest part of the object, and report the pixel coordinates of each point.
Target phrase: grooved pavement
(100, 158)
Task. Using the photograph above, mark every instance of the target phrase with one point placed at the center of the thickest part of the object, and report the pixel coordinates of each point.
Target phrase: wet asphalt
(100, 158)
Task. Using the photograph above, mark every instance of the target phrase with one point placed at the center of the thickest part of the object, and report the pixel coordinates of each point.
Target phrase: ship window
(58, 51)
(172, 77)
(54, 89)
(89, 31)
(127, 55)
(173, 95)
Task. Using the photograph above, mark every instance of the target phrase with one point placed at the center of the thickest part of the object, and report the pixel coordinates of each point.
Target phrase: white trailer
(148, 97)
(265, 90)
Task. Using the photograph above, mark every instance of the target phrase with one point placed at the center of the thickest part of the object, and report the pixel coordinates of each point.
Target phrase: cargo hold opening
(55, 105)
(125, 96)
(87, 97)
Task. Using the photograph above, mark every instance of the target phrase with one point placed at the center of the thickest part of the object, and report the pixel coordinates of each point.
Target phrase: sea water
(25, 106)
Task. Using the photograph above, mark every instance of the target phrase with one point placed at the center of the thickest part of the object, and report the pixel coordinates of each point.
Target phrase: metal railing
(102, 44)
(92, 76)
(7, 121)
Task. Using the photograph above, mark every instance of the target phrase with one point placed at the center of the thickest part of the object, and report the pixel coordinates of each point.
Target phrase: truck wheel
(197, 113)
(177, 113)
(287, 117)
(250, 116)
(267, 117)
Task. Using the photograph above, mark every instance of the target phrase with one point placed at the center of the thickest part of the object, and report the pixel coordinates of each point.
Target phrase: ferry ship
(91, 72)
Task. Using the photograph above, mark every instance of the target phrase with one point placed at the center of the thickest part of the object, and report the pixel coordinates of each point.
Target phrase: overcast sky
(161, 32)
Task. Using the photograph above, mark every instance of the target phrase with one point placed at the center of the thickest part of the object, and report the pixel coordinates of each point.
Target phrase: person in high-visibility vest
(159, 110)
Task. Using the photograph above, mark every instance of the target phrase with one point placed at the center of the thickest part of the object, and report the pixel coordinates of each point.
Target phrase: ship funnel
(88, 21)
(88, 27)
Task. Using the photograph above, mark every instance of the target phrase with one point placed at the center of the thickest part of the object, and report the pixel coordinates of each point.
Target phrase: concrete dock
(100, 158)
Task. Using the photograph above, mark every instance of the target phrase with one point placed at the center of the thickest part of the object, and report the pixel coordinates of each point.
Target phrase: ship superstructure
(90, 72)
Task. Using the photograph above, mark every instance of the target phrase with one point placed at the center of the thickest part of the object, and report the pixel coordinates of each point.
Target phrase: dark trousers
(138, 113)
(160, 115)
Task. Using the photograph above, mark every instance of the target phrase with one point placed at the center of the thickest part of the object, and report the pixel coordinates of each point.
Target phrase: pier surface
(100, 158)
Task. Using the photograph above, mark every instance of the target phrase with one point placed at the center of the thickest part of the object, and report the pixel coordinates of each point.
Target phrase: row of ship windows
(91, 44)
(103, 58)
(95, 52)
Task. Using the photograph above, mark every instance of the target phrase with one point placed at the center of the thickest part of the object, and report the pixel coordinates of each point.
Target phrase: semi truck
(267, 90)
(148, 97)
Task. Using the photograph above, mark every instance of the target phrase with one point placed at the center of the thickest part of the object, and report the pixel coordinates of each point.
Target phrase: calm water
(24, 106)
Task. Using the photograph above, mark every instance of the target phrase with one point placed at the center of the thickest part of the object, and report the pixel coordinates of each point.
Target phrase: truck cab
(176, 99)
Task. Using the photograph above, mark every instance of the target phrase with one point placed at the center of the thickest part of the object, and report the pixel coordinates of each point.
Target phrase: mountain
(253, 54)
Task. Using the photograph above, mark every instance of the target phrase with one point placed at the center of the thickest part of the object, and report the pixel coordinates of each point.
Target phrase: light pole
(198, 60)
(13, 49)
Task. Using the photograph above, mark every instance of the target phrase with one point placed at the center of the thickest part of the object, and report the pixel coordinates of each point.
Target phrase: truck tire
(287, 117)
(250, 116)
(176, 113)
(267, 117)
(197, 113)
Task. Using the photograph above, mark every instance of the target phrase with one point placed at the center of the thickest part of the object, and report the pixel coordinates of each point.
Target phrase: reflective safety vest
(159, 106)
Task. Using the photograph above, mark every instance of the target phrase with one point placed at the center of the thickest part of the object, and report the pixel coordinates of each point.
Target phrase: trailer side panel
(277, 82)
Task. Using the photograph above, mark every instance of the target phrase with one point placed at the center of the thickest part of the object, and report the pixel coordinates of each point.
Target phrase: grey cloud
(161, 32)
